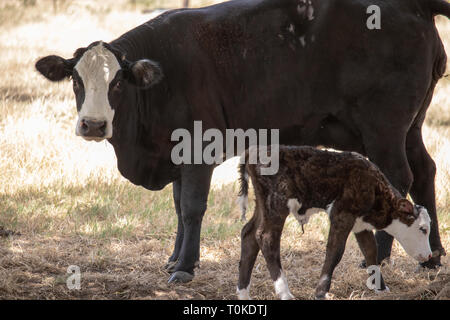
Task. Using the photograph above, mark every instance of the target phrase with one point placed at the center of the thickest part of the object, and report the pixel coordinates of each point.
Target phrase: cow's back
(262, 64)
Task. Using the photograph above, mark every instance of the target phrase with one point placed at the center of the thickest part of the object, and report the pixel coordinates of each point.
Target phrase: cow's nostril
(84, 125)
(93, 128)
(84, 128)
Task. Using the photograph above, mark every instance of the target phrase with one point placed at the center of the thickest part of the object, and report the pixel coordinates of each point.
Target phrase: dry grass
(71, 206)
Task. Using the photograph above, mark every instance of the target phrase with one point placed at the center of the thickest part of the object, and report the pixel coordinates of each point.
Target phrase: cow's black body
(322, 80)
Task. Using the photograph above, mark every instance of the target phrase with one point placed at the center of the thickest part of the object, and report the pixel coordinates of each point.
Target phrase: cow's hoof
(381, 291)
(430, 264)
(435, 261)
(170, 266)
(363, 265)
(181, 277)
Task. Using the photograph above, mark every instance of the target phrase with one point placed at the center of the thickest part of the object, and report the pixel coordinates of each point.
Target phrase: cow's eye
(76, 85)
(424, 231)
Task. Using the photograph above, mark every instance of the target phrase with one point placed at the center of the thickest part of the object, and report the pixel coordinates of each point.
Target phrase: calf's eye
(424, 231)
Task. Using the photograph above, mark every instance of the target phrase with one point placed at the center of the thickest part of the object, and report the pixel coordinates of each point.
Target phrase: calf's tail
(243, 188)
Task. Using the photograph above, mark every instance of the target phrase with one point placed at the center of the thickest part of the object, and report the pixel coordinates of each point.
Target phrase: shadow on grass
(116, 209)
(98, 209)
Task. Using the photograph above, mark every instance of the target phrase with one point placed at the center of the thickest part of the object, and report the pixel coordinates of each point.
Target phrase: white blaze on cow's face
(415, 237)
(96, 70)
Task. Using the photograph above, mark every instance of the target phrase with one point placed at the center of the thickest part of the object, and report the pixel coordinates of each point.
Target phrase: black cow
(311, 68)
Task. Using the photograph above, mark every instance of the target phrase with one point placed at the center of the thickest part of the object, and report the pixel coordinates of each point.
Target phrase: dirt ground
(35, 267)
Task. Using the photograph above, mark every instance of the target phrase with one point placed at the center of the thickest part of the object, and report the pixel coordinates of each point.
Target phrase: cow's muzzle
(92, 129)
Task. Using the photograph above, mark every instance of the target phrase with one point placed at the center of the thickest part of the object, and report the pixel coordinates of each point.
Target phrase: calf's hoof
(180, 277)
(324, 296)
(243, 294)
(287, 296)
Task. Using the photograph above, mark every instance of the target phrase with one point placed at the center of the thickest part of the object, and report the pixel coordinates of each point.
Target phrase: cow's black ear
(55, 68)
(145, 73)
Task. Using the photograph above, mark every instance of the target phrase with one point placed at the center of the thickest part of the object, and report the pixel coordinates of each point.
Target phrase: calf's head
(411, 227)
(102, 77)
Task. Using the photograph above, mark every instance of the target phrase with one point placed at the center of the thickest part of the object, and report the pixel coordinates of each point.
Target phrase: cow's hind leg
(195, 183)
(269, 239)
(368, 246)
(249, 252)
(423, 189)
(180, 229)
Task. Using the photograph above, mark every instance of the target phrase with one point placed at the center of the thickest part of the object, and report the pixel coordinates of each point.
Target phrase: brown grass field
(68, 204)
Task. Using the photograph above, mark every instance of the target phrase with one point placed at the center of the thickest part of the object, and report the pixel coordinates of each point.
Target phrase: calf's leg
(269, 241)
(341, 224)
(249, 252)
(368, 246)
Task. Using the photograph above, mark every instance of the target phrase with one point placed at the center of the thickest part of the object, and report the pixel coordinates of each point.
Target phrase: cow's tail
(243, 185)
(439, 7)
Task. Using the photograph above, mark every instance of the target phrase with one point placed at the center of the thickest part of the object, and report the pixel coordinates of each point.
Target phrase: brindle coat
(346, 183)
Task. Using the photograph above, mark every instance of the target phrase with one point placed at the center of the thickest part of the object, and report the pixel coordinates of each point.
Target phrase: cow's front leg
(388, 151)
(195, 183)
(368, 246)
(180, 229)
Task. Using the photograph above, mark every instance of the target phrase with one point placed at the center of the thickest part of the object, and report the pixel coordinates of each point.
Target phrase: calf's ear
(404, 206)
(144, 73)
(55, 68)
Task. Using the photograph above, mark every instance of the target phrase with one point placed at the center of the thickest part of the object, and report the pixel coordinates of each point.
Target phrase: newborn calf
(356, 195)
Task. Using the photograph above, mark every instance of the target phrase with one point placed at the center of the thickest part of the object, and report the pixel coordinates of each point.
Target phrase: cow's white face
(101, 79)
(414, 238)
(93, 77)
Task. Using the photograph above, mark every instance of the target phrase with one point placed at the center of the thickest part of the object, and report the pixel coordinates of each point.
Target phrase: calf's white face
(414, 238)
(94, 74)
